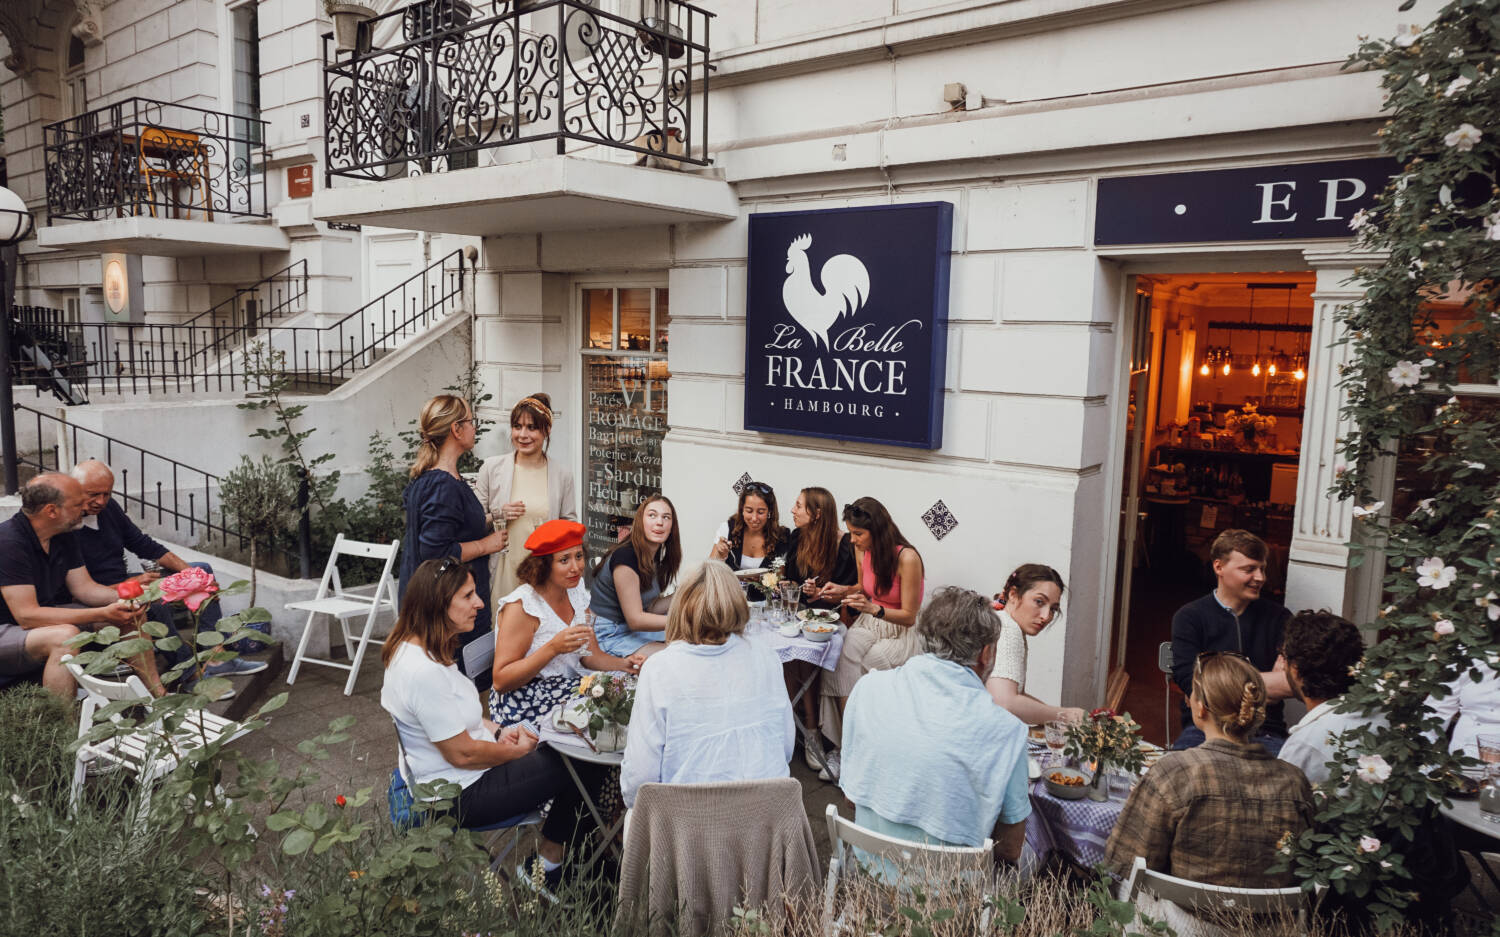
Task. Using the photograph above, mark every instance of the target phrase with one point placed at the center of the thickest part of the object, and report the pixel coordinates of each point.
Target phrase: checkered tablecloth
(823, 654)
(1080, 828)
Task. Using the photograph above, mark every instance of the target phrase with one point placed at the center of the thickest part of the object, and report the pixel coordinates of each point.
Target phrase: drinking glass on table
(1057, 739)
(791, 596)
(1489, 795)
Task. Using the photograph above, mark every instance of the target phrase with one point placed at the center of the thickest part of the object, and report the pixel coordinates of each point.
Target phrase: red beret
(555, 537)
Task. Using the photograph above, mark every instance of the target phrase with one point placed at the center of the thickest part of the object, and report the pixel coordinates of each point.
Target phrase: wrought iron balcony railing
(143, 158)
(463, 78)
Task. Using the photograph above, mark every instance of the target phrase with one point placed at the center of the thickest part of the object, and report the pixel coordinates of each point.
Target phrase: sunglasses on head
(447, 564)
(759, 487)
(1210, 655)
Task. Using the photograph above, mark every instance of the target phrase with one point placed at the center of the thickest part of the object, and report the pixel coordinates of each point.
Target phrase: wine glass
(1057, 740)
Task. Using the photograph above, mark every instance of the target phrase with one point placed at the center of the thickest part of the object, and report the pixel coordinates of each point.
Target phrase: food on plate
(1038, 732)
(826, 616)
(753, 574)
(819, 627)
(1066, 780)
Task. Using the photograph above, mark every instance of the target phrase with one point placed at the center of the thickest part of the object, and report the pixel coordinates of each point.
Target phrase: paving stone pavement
(367, 758)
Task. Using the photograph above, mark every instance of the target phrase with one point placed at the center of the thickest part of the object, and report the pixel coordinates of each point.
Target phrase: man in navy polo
(107, 533)
(1234, 618)
(47, 595)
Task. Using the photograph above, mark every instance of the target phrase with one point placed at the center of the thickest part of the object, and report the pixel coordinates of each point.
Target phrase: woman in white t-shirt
(440, 720)
(1032, 598)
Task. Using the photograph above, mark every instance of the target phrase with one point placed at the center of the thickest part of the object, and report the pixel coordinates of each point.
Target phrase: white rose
(1368, 844)
(1433, 574)
(1456, 85)
(1405, 374)
(1374, 769)
(1443, 627)
(597, 692)
(1465, 138)
(1407, 34)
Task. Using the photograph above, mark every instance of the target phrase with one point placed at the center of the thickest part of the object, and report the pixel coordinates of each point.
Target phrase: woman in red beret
(545, 639)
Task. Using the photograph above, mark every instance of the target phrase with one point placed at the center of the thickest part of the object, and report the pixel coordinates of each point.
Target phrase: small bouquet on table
(608, 699)
(1110, 740)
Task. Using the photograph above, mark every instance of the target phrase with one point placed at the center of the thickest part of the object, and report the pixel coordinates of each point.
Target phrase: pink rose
(192, 587)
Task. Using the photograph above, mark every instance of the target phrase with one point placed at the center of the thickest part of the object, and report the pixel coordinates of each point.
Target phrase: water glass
(1057, 739)
(791, 596)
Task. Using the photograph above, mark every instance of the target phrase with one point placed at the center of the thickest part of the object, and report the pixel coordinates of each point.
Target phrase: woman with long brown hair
(1032, 597)
(443, 517)
(753, 536)
(886, 599)
(630, 612)
(524, 488)
(444, 735)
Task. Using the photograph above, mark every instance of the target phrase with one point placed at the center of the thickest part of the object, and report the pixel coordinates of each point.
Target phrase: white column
(1318, 571)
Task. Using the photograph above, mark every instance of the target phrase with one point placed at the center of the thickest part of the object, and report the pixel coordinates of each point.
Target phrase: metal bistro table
(572, 748)
(822, 654)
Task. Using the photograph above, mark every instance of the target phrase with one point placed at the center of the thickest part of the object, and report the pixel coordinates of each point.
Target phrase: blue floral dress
(557, 680)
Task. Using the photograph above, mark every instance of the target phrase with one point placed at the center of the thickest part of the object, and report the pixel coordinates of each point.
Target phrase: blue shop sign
(846, 323)
(1256, 203)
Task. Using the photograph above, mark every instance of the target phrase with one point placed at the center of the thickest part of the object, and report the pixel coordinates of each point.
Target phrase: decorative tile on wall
(741, 482)
(939, 520)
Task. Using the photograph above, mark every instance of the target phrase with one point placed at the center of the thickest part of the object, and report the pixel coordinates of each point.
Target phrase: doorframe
(1134, 262)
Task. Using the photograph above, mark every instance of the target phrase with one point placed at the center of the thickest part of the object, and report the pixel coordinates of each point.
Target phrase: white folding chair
(147, 752)
(478, 656)
(333, 600)
(1200, 898)
(919, 864)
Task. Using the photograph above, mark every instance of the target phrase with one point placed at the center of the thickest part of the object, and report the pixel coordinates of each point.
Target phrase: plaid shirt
(1213, 814)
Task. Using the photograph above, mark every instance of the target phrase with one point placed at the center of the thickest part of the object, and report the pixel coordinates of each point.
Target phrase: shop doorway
(1214, 427)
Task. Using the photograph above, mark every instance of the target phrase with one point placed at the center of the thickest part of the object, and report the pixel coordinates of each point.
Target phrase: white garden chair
(148, 752)
(916, 864)
(1201, 899)
(334, 601)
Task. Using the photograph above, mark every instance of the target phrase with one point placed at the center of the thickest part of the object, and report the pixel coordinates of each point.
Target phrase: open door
(1132, 524)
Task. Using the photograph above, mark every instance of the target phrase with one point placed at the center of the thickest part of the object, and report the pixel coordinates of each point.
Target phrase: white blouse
(550, 623)
(706, 713)
(1010, 651)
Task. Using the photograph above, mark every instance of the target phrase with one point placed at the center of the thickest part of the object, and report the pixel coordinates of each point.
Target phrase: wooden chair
(915, 863)
(177, 158)
(334, 601)
(148, 753)
(1203, 899)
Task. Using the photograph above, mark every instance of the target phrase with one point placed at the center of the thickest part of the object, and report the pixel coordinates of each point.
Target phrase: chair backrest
(108, 691)
(921, 858)
(1164, 657)
(1204, 898)
(343, 546)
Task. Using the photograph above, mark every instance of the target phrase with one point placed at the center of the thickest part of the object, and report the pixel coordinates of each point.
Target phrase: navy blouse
(442, 513)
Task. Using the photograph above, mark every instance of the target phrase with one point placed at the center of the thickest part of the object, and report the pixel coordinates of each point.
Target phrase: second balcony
(561, 114)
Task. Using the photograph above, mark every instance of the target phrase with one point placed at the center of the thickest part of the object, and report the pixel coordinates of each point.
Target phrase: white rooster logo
(846, 285)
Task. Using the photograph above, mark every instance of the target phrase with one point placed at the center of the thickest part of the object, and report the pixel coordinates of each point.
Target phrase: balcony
(149, 177)
(533, 115)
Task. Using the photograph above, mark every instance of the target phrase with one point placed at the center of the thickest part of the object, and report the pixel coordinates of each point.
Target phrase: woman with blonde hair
(710, 707)
(1215, 813)
(524, 488)
(443, 518)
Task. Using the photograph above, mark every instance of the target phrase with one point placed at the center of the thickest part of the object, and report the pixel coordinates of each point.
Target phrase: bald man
(47, 595)
(105, 536)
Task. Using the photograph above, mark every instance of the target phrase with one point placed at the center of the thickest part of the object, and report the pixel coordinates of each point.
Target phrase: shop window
(245, 69)
(625, 405)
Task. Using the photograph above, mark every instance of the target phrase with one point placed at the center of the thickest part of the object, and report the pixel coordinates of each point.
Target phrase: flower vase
(611, 738)
(1099, 784)
(1250, 440)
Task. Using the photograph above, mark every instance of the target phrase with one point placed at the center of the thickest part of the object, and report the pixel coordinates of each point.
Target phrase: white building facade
(616, 279)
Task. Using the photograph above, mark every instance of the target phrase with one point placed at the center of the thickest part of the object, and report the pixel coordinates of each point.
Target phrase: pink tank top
(892, 597)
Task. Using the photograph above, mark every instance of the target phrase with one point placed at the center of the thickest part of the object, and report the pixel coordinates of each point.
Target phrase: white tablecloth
(824, 654)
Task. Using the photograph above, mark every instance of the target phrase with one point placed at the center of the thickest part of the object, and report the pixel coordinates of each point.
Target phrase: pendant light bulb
(1225, 369)
(1203, 369)
(1271, 369)
(1299, 374)
(1255, 368)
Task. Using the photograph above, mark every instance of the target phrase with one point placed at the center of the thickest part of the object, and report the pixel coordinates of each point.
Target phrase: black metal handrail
(273, 297)
(140, 157)
(125, 358)
(470, 77)
(161, 487)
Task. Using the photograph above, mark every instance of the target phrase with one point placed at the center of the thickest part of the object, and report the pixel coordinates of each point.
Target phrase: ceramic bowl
(813, 633)
(1066, 791)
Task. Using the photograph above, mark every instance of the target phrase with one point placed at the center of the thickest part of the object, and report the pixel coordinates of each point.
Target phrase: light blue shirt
(926, 747)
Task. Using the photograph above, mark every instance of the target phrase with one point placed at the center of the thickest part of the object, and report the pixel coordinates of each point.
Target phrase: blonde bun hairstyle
(1234, 694)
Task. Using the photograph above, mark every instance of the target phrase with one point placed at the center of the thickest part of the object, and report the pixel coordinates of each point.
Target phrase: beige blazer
(493, 486)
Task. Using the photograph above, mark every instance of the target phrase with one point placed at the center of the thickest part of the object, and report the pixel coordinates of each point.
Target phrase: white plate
(570, 715)
(822, 616)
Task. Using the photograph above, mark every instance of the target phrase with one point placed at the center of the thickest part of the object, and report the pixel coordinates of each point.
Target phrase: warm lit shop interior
(1216, 403)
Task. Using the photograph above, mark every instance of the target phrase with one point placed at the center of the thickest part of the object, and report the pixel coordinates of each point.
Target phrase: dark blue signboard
(846, 323)
(1257, 203)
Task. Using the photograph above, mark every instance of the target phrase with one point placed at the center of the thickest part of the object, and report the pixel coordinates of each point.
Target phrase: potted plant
(608, 699)
(1108, 739)
(347, 18)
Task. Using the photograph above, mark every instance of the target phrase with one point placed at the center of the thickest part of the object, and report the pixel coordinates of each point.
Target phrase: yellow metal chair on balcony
(176, 158)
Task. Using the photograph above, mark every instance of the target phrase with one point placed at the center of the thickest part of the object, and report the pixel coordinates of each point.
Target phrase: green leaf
(284, 820)
(297, 842)
(315, 816)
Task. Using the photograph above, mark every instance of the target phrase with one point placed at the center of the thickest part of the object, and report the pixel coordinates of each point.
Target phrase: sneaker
(831, 763)
(550, 881)
(187, 687)
(238, 667)
(812, 751)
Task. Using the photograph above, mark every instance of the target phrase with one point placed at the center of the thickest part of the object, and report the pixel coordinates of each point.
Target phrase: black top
(1205, 625)
(104, 549)
(845, 573)
(23, 562)
(737, 555)
(603, 598)
(442, 513)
